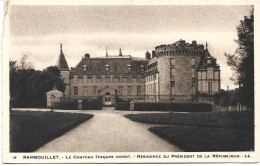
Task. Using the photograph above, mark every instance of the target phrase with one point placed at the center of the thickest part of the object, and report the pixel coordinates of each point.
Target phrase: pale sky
(38, 31)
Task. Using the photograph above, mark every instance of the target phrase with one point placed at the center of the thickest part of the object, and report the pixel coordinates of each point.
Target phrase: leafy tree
(28, 87)
(242, 61)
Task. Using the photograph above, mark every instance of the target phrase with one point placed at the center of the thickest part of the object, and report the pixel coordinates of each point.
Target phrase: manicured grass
(30, 130)
(207, 119)
(203, 139)
(197, 132)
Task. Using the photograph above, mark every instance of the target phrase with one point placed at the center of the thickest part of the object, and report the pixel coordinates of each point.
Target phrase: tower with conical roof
(64, 71)
(62, 63)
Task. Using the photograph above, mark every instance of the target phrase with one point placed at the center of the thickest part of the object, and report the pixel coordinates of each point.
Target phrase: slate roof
(62, 63)
(54, 91)
(116, 64)
(203, 63)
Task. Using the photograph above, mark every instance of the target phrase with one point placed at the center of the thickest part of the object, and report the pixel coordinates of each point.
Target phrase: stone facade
(174, 72)
(179, 66)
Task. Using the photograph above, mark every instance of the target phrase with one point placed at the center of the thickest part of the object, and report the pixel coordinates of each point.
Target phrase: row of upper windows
(151, 77)
(107, 67)
(87, 90)
(208, 87)
(172, 61)
(209, 74)
(151, 89)
(193, 83)
(107, 79)
(152, 66)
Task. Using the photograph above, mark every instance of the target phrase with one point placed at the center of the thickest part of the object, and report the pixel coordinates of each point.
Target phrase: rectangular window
(138, 78)
(120, 90)
(216, 75)
(94, 90)
(172, 62)
(210, 87)
(210, 73)
(75, 91)
(129, 92)
(154, 88)
(172, 83)
(203, 75)
(154, 77)
(192, 72)
(199, 75)
(85, 91)
(172, 73)
(129, 79)
(193, 82)
(138, 90)
(193, 62)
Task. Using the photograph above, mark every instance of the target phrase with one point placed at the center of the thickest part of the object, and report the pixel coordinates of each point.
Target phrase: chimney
(147, 55)
(194, 42)
(87, 56)
(120, 52)
(153, 54)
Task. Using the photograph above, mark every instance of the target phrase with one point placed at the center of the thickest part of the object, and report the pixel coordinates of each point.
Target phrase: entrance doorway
(107, 99)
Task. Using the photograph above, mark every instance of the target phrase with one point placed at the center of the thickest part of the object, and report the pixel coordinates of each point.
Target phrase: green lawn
(209, 131)
(30, 130)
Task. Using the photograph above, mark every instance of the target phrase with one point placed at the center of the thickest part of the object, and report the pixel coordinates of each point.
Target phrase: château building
(171, 73)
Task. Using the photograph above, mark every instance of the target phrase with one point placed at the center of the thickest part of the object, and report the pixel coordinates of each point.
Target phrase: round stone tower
(176, 66)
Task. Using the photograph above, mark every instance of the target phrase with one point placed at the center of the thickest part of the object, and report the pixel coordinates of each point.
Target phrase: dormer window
(209, 60)
(129, 67)
(84, 67)
(142, 68)
(107, 67)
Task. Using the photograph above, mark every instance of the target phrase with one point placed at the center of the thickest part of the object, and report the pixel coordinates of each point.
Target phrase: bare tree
(24, 62)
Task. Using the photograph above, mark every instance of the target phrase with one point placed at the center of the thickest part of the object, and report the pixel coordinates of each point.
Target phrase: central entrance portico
(108, 96)
(107, 99)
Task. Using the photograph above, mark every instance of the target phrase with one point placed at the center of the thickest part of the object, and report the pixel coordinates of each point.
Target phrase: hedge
(91, 105)
(178, 107)
(122, 106)
(68, 105)
(73, 105)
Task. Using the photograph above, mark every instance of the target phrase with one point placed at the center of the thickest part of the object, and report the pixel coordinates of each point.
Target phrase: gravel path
(109, 131)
